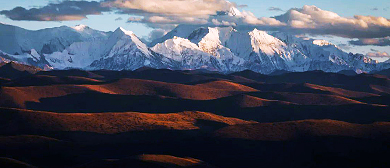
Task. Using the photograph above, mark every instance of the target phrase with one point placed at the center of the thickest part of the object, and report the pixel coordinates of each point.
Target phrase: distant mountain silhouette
(14, 70)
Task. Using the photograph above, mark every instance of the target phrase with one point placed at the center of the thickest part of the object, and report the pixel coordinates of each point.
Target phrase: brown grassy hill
(147, 87)
(148, 161)
(307, 128)
(18, 96)
(307, 88)
(26, 121)
(111, 118)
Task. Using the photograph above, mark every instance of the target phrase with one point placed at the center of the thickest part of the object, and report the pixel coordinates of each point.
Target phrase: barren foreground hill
(163, 118)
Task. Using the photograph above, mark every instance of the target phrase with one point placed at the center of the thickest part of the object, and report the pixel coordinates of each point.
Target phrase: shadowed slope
(111, 118)
(44, 80)
(226, 85)
(14, 70)
(385, 72)
(361, 83)
(246, 101)
(104, 102)
(172, 160)
(301, 129)
(12, 163)
(305, 98)
(71, 72)
(20, 67)
(25, 140)
(340, 92)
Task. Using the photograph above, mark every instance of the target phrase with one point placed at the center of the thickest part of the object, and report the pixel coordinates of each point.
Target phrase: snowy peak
(127, 36)
(182, 31)
(176, 43)
(189, 56)
(263, 38)
(121, 34)
(216, 34)
(176, 47)
(212, 40)
(322, 43)
(122, 41)
(80, 27)
(180, 41)
(90, 34)
(118, 34)
(186, 47)
(124, 50)
(121, 30)
(244, 44)
(17, 40)
(197, 35)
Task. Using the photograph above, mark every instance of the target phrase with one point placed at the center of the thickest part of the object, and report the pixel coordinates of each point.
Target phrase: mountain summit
(223, 49)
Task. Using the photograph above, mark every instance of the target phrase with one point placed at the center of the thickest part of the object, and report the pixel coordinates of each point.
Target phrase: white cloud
(172, 7)
(378, 54)
(166, 14)
(157, 33)
(316, 20)
(62, 11)
(308, 19)
(372, 41)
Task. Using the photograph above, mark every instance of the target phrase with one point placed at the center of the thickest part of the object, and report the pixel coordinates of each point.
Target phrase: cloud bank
(164, 15)
(308, 19)
(378, 54)
(170, 7)
(315, 20)
(372, 41)
(64, 11)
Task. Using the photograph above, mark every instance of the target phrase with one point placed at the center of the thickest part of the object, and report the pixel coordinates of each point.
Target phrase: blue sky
(260, 8)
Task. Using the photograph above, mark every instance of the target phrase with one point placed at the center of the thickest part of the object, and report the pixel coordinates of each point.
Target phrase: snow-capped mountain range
(223, 49)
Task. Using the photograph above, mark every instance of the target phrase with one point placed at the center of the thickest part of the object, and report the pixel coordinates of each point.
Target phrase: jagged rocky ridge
(223, 49)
